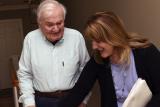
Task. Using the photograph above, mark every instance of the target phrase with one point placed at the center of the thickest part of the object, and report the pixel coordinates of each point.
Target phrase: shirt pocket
(69, 66)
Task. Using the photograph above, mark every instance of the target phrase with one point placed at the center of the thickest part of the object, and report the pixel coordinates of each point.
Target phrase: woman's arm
(153, 66)
(82, 87)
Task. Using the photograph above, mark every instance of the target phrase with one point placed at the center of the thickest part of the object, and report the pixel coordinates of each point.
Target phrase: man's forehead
(53, 13)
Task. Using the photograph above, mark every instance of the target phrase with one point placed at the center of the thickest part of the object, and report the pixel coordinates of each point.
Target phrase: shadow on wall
(94, 100)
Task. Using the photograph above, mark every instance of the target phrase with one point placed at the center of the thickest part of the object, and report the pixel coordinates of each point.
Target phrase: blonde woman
(118, 60)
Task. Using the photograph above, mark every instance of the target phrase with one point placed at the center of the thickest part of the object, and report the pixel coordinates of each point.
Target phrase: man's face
(52, 24)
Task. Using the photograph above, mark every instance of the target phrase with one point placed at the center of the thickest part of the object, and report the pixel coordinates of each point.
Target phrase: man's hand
(31, 106)
(82, 105)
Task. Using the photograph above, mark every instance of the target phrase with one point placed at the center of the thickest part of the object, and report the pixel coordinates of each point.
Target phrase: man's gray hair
(49, 3)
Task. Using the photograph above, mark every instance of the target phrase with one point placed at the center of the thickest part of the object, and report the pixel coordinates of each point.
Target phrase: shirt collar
(58, 43)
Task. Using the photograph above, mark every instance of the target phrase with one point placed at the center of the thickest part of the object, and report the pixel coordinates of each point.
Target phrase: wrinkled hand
(31, 106)
(82, 105)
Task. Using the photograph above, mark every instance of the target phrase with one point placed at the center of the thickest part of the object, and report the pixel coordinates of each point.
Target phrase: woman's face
(104, 49)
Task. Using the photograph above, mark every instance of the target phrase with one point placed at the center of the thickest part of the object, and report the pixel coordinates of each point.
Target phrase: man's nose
(55, 28)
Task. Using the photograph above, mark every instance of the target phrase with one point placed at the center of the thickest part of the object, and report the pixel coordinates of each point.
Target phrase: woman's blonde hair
(109, 28)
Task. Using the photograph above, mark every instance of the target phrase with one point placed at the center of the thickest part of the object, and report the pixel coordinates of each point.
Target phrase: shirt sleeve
(82, 86)
(84, 57)
(24, 75)
(153, 60)
(83, 53)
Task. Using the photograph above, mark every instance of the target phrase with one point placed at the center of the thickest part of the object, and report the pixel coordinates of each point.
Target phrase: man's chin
(55, 39)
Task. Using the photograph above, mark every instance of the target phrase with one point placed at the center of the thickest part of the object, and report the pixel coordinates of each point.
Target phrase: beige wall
(140, 16)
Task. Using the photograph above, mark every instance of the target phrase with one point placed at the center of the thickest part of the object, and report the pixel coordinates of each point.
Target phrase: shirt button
(125, 74)
(123, 90)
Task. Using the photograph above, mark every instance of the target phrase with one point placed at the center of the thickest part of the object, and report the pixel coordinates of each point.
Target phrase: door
(11, 38)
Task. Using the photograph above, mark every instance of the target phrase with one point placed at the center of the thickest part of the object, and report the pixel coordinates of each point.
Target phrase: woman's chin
(104, 56)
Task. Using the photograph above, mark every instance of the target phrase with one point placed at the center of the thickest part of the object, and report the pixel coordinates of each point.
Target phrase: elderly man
(52, 58)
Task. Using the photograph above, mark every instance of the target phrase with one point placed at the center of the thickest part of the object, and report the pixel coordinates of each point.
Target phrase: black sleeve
(153, 66)
(82, 87)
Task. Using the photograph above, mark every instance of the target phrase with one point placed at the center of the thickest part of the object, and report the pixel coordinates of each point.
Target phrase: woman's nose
(94, 45)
